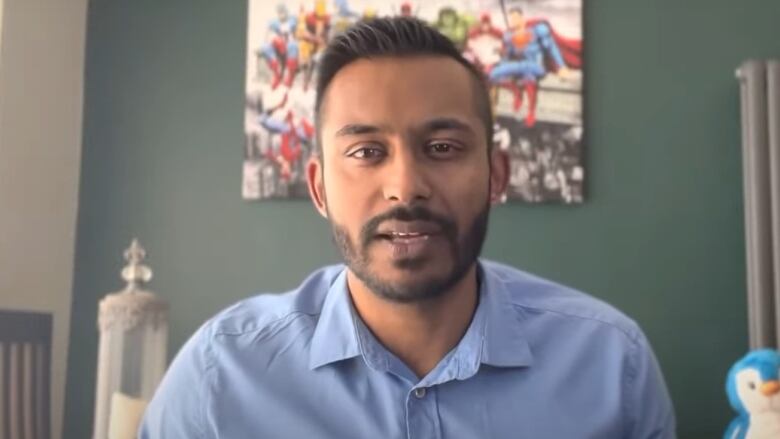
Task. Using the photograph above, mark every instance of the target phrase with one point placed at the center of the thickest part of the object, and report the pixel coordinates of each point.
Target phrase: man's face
(405, 173)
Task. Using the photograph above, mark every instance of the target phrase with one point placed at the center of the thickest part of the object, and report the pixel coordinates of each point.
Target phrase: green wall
(661, 235)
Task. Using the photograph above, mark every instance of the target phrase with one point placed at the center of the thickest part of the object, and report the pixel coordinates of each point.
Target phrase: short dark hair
(395, 36)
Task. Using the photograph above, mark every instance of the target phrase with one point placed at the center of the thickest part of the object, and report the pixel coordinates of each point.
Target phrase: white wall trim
(41, 101)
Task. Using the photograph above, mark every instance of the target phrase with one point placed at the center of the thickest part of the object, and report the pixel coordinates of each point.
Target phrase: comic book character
(312, 35)
(344, 17)
(343, 9)
(484, 43)
(290, 131)
(532, 49)
(369, 13)
(281, 52)
(453, 25)
(406, 10)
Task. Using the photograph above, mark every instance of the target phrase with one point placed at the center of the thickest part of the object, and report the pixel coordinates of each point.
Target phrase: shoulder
(541, 28)
(533, 294)
(569, 327)
(181, 402)
(265, 311)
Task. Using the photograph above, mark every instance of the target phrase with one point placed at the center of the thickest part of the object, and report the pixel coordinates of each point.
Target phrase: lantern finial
(135, 272)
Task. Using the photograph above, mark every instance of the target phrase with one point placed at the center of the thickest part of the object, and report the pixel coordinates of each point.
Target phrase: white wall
(1, 25)
(41, 94)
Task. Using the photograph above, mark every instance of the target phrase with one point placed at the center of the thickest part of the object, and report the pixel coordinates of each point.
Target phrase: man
(415, 337)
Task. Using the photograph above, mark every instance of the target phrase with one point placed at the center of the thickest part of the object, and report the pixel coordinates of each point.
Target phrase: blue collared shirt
(538, 361)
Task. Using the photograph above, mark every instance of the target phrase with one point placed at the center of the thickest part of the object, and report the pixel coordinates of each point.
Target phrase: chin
(417, 268)
(408, 285)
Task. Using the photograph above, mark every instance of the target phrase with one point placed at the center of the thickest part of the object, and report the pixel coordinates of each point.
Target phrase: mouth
(404, 237)
(409, 240)
(402, 231)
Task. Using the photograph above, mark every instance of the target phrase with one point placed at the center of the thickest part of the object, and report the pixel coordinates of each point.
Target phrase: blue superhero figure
(281, 52)
(531, 50)
(343, 9)
(753, 389)
(344, 17)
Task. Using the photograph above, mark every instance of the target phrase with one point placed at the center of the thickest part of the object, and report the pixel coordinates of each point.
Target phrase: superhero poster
(530, 51)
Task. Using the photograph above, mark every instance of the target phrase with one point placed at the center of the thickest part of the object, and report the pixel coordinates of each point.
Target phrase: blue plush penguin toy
(753, 387)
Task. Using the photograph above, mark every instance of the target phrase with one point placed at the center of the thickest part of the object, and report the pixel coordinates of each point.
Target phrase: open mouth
(408, 230)
(409, 239)
(404, 237)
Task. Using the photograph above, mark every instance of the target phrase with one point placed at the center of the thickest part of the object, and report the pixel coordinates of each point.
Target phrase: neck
(419, 333)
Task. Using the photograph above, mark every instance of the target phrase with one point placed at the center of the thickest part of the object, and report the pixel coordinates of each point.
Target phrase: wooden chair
(25, 365)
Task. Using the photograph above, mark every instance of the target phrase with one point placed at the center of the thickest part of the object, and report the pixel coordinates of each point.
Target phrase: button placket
(422, 414)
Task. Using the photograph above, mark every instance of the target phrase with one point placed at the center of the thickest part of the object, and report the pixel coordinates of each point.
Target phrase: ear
(499, 175)
(314, 180)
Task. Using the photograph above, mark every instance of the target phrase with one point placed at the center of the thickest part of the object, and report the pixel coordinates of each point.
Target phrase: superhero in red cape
(532, 49)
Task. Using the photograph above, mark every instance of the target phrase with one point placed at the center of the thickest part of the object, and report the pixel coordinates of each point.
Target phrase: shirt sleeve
(649, 407)
(177, 409)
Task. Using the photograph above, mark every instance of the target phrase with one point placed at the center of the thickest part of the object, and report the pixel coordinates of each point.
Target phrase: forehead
(399, 91)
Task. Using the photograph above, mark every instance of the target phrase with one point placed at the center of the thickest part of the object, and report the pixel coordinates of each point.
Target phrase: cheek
(466, 186)
(464, 198)
(347, 198)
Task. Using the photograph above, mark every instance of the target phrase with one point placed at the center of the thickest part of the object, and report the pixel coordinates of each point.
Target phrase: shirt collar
(494, 336)
(504, 343)
(334, 336)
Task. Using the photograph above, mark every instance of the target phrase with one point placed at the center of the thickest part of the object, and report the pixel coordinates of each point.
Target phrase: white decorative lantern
(133, 351)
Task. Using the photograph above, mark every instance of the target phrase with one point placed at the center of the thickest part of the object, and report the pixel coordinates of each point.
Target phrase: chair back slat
(25, 353)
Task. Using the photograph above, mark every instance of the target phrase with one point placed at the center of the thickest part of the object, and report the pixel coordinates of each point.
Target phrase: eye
(441, 149)
(366, 153)
(752, 385)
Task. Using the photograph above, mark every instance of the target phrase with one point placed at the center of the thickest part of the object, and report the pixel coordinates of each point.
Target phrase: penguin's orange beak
(770, 388)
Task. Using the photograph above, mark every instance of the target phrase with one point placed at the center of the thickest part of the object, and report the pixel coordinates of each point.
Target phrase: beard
(463, 252)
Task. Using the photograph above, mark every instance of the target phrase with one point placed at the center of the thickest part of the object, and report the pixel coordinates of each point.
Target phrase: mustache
(416, 213)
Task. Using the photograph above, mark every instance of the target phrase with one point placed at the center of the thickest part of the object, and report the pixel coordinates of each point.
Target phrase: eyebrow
(446, 123)
(436, 124)
(356, 129)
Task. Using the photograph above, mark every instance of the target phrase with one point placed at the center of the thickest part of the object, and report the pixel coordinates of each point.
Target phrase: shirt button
(419, 392)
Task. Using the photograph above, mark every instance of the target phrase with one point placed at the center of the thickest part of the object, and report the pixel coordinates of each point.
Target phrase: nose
(406, 178)
(770, 388)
